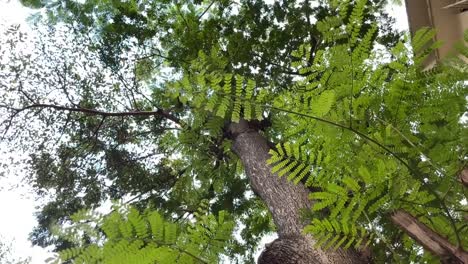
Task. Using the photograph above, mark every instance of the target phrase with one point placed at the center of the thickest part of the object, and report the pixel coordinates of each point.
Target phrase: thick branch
(429, 239)
(158, 112)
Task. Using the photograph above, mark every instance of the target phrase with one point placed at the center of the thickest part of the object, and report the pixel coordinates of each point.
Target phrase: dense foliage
(355, 138)
(126, 236)
(141, 112)
(401, 144)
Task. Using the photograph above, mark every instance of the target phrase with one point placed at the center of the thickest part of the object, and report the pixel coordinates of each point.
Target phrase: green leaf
(324, 103)
(365, 175)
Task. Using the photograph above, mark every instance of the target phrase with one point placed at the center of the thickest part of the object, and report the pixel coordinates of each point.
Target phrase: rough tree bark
(429, 239)
(285, 202)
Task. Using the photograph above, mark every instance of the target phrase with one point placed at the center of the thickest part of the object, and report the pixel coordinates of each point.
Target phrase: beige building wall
(448, 17)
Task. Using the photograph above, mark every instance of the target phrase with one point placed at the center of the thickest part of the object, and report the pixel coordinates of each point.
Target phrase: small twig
(206, 10)
(352, 89)
(183, 18)
(135, 104)
(96, 132)
(283, 69)
(24, 93)
(63, 128)
(384, 240)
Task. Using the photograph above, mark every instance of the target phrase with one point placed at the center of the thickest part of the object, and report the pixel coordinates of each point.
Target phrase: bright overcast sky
(17, 205)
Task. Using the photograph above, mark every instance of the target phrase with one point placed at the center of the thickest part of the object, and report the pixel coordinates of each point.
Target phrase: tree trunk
(285, 202)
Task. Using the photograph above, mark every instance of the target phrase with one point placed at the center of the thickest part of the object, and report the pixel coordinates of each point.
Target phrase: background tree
(6, 254)
(123, 115)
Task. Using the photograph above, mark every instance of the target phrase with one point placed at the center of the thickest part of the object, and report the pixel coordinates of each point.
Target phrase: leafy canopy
(364, 126)
(371, 136)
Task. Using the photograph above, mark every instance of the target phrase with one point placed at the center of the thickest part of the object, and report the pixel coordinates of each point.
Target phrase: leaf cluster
(128, 236)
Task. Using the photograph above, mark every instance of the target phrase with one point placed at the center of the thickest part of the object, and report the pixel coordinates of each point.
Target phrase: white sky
(17, 205)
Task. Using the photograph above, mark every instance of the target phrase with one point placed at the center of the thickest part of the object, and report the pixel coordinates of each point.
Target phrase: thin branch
(96, 132)
(183, 18)
(190, 254)
(437, 167)
(282, 67)
(130, 90)
(352, 90)
(64, 83)
(142, 157)
(158, 54)
(24, 93)
(381, 237)
(10, 120)
(346, 128)
(158, 130)
(206, 10)
(63, 128)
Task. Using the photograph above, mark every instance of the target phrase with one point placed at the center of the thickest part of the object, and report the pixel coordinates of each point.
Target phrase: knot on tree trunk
(288, 250)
